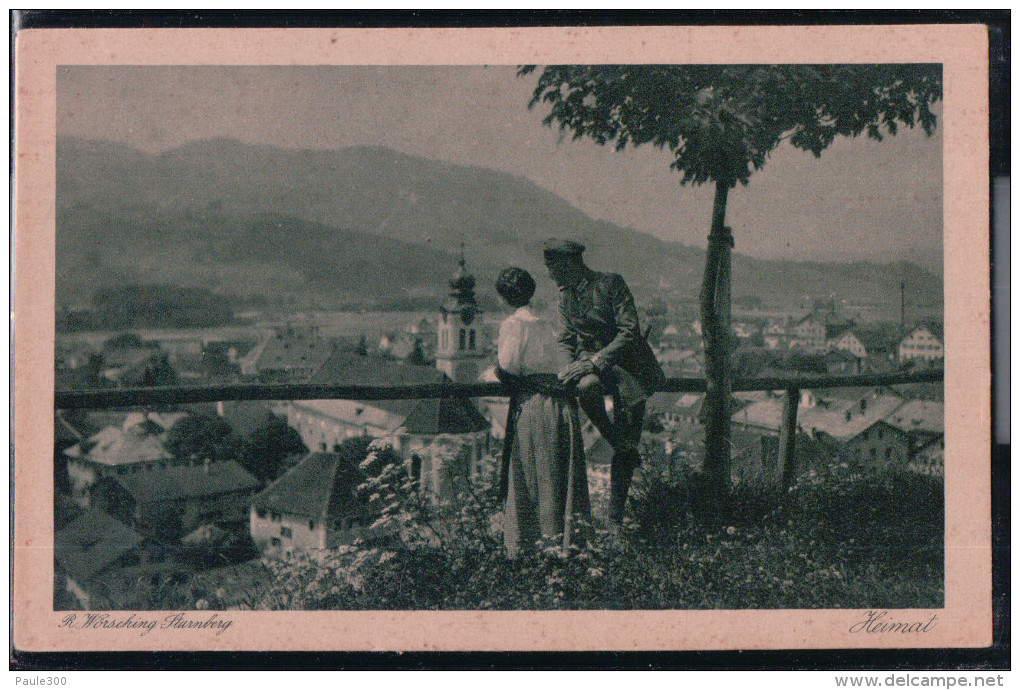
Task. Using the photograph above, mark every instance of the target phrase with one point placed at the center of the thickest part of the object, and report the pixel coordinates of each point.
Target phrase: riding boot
(620, 473)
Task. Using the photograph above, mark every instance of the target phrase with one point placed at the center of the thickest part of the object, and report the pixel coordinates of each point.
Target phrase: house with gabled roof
(411, 425)
(808, 333)
(311, 506)
(924, 342)
(171, 498)
(910, 438)
(114, 450)
(848, 342)
(830, 419)
(290, 355)
(816, 331)
(775, 335)
(88, 549)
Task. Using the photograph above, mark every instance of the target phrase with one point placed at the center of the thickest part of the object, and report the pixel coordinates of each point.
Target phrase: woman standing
(546, 484)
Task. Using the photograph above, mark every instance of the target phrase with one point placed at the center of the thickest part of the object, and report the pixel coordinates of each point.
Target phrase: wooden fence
(792, 385)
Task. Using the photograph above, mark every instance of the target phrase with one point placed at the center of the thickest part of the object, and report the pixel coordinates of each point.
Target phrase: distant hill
(365, 225)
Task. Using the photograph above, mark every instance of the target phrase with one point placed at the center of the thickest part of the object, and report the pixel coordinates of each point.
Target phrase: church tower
(459, 348)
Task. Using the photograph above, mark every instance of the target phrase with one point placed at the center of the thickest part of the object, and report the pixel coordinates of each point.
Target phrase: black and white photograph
(671, 425)
(604, 336)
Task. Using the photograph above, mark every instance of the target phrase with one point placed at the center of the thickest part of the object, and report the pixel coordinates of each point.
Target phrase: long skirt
(546, 463)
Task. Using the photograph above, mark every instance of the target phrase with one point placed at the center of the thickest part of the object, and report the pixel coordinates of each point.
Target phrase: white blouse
(527, 345)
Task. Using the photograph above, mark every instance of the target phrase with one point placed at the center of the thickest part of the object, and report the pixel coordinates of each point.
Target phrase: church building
(460, 350)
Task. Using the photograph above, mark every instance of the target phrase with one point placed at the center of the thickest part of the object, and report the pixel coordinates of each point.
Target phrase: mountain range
(367, 225)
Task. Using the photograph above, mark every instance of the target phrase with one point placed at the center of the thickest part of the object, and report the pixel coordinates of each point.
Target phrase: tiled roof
(433, 416)
(355, 412)
(346, 368)
(693, 404)
(114, 446)
(91, 543)
(828, 416)
(919, 415)
(300, 350)
(835, 356)
(320, 483)
(426, 416)
(690, 401)
(175, 482)
(933, 327)
(660, 403)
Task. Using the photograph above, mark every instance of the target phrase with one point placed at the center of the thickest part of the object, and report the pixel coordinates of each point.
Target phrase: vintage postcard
(537, 339)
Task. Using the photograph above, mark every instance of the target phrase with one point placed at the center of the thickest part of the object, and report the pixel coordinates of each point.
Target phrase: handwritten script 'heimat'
(174, 621)
(880, 622)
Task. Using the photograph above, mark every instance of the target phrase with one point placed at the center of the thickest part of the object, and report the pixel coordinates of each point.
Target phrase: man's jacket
(599, 321)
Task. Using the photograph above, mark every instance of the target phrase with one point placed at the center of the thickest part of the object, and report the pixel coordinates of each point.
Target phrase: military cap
(556, 247)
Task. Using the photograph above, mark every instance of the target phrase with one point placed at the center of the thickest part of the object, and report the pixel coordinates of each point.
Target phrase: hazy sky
(861, 200)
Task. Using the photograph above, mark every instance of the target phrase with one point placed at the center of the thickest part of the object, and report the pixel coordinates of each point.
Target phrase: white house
(923, 342)
(410, 424)
(116, 450)
(774, 335)
(850, 343)
(808, 333)
(312, 506)
(910, 438)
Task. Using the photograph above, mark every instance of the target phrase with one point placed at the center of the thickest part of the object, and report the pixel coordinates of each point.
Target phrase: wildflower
(731, 530)
(201, 604)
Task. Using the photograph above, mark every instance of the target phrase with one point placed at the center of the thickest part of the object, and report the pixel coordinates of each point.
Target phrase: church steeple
(462, 288)
(460, 349)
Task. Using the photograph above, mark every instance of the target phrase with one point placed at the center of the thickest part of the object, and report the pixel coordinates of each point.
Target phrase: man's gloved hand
(577, 371)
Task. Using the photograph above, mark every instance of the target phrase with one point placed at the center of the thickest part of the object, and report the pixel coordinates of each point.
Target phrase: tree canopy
(722, 121)
(265, 450)
(201, 436)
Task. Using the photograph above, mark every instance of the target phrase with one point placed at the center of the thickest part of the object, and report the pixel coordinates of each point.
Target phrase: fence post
(788, 438)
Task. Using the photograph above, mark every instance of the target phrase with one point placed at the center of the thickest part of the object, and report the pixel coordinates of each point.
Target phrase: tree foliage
(722, 121)
(202, 437)
(264, 451)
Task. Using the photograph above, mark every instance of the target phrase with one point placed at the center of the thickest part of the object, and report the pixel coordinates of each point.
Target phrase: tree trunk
(715, 330)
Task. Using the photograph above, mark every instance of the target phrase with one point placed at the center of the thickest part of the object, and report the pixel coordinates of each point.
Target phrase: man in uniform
(602, 337)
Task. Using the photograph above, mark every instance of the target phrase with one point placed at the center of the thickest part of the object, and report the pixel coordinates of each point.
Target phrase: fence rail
(784, 471)
(127, 397)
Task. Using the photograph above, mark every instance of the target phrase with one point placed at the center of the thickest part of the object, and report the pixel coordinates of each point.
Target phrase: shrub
(838, 538)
